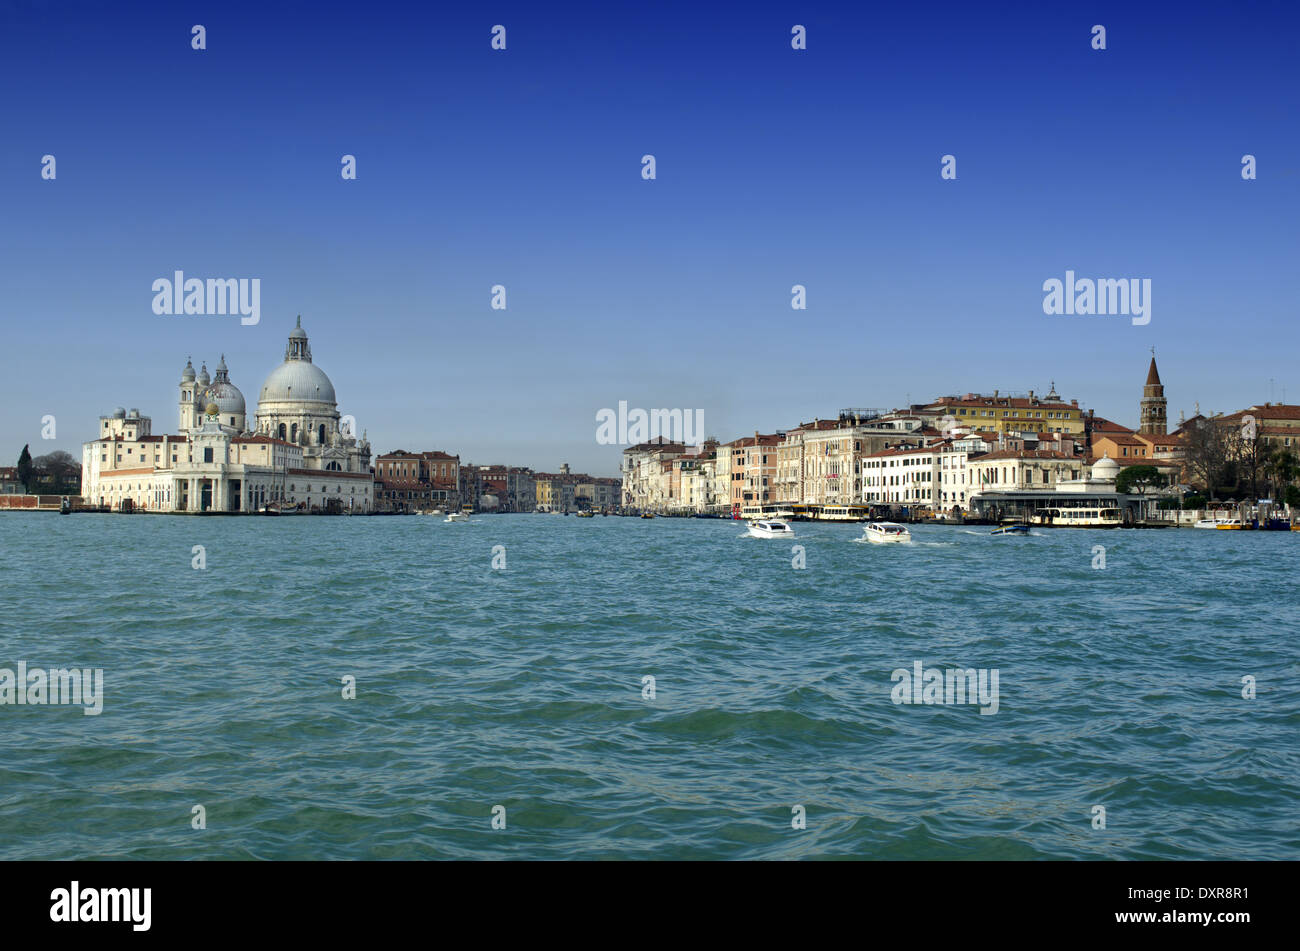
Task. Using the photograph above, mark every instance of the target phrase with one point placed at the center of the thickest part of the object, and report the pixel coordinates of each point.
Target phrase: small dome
(119, 413)
(204, 379)
(133, 413)
(187, 375)
(298, 333)
(226, 397)
(224, 394)
(1106, 469)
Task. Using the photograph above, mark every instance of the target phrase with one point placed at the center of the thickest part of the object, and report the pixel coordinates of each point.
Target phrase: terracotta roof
(1101, 424)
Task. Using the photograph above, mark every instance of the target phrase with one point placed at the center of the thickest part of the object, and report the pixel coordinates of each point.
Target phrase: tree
(1207, 451)
(1139, 479)
(1249, 451)
(25, 469)
(1281, 468)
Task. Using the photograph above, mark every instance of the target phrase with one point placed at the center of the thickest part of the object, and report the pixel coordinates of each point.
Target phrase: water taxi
(770, 528)
(880, 533)
(1017, 529)
(586, 513)
(647, 514)
(1230, 525)
(456, 517)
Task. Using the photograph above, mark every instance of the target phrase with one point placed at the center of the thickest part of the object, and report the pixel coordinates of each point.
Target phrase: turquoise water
(1118, 687)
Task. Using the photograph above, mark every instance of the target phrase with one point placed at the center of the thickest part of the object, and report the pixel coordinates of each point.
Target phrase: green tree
(25, 470)
(1281, 468)
(1139, 479)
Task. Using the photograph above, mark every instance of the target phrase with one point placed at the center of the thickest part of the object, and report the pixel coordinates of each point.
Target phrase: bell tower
(188, 399)
(1153, 407)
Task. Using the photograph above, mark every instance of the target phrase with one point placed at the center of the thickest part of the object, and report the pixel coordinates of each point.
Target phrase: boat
(456, 517)
(279, 508)
(840, 513)
(1208, 523)
(770, 528)
(586, 514)
(1230, 525)
(647, 514)
(881, 533)
(1098, 516)
(1017, 529)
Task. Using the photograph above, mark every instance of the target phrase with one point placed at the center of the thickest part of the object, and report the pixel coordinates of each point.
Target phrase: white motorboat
(881, 533)
(456, 517)
(770, 528)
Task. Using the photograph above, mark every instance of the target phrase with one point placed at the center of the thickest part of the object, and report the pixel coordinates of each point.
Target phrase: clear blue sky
(522, 168)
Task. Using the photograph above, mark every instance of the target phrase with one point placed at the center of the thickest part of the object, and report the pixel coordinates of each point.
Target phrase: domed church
(298, 455)
(297, 404)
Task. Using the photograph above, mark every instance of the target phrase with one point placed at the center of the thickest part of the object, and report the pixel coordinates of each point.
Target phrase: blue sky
(522, 168)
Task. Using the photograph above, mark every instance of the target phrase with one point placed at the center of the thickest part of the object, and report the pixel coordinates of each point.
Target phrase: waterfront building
(753, 468)
(1092, 490)
(645, 482)
(555, 490)
(296, 452)
(955, 455)
(416, 481)
(904, 475)
(9, 482)
(1014, 469)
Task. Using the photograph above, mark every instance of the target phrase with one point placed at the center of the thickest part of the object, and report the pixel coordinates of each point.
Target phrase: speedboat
(1016, 529)
(1231, 525)
(770, 528)
(880, 533)
(456, 517)
(647, 514)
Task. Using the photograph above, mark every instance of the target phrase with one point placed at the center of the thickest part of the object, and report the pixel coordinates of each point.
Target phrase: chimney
(1074, 403)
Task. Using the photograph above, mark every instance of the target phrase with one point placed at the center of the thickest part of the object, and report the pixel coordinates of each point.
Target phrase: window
(207, 454)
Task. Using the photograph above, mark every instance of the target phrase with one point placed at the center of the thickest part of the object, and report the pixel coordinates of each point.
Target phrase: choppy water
(1118, 687)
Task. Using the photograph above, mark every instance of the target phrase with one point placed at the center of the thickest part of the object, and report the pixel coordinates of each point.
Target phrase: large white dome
(297, 381)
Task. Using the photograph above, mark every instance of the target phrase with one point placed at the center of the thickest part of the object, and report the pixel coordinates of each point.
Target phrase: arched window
(320, 432)
(282, 432)
(293, 433)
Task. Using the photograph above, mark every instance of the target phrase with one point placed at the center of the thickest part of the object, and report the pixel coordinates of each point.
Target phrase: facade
(1012, 413)
(295, 455)
(416, 481)
(906, 476)
(644, 483)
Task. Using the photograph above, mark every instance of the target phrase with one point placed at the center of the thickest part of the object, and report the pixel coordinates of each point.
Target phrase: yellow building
(1011, 414)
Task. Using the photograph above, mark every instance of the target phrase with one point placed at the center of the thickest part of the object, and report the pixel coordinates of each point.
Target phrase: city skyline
(478, 168)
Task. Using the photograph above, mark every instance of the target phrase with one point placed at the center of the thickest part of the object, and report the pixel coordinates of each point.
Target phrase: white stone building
(297, 454)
